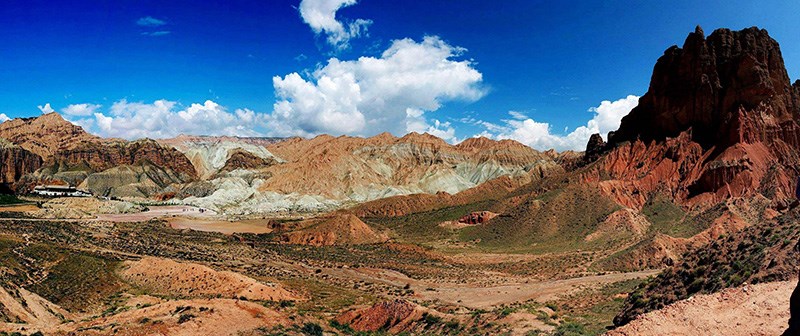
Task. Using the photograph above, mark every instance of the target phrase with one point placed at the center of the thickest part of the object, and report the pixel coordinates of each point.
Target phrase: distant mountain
(242, 175)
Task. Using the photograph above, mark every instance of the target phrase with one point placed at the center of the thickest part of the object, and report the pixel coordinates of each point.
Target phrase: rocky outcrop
(393, 316)
(45, 135)
(594, 149)
(719, 121)
(15, 162)
(479, 217)
(98, 157)
(707, 83)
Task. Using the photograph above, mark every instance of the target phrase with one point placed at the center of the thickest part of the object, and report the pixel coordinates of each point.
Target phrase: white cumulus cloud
(4, 118)
(80, 110)
(520, 127)
(371, 95)
(165, 119)
(320, 15)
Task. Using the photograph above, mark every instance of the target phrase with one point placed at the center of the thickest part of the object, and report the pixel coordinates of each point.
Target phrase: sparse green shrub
(311, 329)
(185, 318)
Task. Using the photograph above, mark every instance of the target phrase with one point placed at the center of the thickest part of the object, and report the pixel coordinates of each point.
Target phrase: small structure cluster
(60, 191)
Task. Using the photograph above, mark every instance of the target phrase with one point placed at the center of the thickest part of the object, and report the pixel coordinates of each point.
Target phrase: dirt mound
(19, 305)
(392, 316)
(167, 277)
(339, 229)
(761, 309)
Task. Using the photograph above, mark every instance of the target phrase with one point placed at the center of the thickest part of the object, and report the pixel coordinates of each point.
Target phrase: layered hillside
(364, 169)
(45, 135)
(326, 173)
(49, 149)
(210, 155)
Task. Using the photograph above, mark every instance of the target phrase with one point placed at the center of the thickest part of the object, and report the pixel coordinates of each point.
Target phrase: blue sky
(151, 68)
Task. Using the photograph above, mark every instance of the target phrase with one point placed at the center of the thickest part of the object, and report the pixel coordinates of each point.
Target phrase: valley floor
(177, 270)
(47, 259)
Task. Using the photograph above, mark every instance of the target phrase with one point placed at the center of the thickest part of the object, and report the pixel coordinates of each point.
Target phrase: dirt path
(218, 225)
(486, 297)
(156, 212)
(761, 309)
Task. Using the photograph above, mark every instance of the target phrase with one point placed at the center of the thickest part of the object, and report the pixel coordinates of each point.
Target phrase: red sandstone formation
(102, 156)
(393, 316)
(241, 159)
(719, 121)
(479, 217)
(44, 135)
(15, 162)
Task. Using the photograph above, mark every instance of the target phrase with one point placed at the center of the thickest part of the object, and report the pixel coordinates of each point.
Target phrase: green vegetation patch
(8, 199)
(80, 281)
(556, 221)
(423, 228)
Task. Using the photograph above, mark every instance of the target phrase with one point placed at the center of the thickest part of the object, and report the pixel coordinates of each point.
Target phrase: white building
(60, 191)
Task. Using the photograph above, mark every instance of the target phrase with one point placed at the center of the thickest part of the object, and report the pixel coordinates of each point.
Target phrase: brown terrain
(761, 309)
(167, 277)
(340, 229)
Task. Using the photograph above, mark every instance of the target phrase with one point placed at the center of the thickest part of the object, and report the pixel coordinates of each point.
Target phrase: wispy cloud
(149, 21)
(157, 33)
(320, 15)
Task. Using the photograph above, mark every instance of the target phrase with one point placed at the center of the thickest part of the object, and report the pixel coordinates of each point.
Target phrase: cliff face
(719, 121)
(102, 156)
(15, 162)
(718, 133)
(708, 84)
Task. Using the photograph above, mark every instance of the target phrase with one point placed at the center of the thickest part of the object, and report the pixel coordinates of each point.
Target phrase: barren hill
(338, 229)
(45, 135)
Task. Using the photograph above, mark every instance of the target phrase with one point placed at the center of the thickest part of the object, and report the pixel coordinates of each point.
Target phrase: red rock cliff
(102, 156)
(719, 120)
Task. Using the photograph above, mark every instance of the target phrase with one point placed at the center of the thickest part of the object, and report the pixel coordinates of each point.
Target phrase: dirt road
(487, 297)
